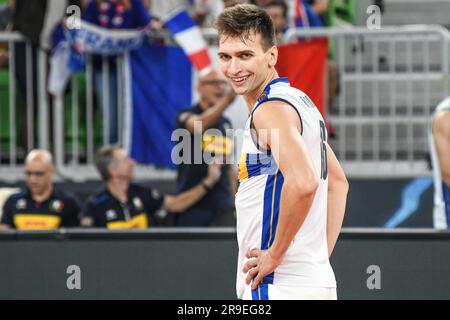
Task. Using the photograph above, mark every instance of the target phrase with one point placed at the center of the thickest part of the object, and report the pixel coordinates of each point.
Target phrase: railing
(390, 81)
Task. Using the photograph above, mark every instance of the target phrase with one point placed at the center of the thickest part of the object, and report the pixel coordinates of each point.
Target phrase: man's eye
(223, 57)
(245, 56)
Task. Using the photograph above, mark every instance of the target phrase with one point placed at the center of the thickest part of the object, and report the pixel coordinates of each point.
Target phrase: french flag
(189, 38)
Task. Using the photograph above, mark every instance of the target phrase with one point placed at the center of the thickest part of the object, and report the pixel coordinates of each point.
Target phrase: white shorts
(276, 292)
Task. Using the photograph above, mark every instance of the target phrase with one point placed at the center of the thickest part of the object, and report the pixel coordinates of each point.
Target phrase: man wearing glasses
(207, 131)
(40, 206)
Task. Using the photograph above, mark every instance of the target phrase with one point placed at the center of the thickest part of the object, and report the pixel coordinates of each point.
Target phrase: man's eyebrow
(237, 52)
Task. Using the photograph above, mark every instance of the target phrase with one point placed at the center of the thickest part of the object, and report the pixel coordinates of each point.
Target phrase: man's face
(276, 13)
(123, 166)
(245, 64)
(211, 87)
(38, 176)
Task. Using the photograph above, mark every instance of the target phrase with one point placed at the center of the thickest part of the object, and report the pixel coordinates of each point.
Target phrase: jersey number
(323, 151)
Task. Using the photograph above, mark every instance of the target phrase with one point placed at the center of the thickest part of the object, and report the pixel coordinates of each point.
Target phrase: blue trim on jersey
(266, 92)
(272, 197)
(261, 293)
(278, 189)
(99, 198)
(267, 212)
(446, 198)
(258, 164)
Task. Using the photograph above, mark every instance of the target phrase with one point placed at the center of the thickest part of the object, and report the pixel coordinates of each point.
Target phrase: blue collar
(266, 91)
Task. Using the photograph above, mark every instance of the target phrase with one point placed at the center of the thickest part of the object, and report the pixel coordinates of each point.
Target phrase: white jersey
(441, 211)
(306, 261)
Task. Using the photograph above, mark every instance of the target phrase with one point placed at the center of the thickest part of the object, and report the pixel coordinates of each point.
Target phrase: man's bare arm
(184, 200)
(290, 154)
(337, 199)
(300, 182)
(212, 115)
(441, 132)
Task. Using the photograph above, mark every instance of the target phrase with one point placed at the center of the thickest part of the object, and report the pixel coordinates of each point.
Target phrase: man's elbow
(304, 189)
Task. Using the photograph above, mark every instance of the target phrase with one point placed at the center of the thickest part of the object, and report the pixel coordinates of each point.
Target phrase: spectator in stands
(277, 10)
(216, 207)
(40, 205)
(440, 155)
(113, 14)
(35, 19)
(125, 205)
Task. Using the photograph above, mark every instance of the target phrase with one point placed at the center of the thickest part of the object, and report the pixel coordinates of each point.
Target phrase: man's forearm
(294, 208)
(184, 200)
(210, 117)
(337, 200)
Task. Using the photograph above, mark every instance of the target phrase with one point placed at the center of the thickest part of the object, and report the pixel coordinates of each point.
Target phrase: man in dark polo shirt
(216, 208)
(40, 206)
(125, 205)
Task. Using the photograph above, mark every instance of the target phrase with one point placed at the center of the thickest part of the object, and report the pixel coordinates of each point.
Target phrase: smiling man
(292, 194)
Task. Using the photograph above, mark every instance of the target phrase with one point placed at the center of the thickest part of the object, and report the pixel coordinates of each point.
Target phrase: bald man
(216, 208)
(39, 206)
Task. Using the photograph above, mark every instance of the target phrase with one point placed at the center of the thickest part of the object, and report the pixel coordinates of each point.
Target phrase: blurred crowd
(204, 192)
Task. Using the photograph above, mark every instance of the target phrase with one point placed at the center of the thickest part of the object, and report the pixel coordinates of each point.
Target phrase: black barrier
(201, 264)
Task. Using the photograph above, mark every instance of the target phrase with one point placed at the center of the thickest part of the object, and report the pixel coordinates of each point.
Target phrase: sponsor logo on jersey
(111, 214)
(138, 203)
(21, 204)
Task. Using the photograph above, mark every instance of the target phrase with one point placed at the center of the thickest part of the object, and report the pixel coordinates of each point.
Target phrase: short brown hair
(243, 19)
(103, 158)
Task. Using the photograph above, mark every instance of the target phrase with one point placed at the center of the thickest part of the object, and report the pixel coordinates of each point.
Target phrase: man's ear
(273, 52)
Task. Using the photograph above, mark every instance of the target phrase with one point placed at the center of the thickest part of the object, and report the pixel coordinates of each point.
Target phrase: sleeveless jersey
(305, 263)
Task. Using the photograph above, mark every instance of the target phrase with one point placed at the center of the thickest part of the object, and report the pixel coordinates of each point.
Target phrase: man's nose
(234, 67)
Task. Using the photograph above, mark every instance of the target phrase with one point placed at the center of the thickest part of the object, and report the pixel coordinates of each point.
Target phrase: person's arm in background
(6, 221)
(210, 116)
(184, 200)
(441, 133)
(284, 128)
(233, 181)
(337, 198)
(87, 218)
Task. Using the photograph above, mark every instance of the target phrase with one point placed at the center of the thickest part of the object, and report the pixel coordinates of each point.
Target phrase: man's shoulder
(442, 121)
(16, 196)
(98, 199)
(65, 195)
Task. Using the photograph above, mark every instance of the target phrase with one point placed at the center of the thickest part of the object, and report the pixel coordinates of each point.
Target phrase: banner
(304, 64)
(90, 38)
(161, 86)
(72, 44)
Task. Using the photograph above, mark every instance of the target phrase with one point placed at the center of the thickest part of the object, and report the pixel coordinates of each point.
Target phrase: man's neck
(253, 96)
(43, 196)
(119, 189)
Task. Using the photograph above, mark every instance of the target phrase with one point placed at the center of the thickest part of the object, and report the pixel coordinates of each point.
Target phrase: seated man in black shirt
(216, 208)
(40, 206)
(124, 205)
